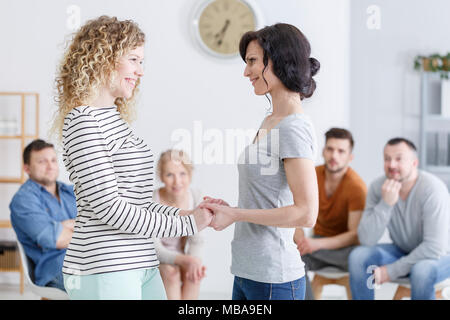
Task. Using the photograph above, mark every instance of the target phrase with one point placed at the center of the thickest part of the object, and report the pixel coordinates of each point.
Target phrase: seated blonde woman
(181, 267)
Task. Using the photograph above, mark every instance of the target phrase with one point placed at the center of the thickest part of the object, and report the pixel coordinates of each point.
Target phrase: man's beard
(44, 181)
(402, 179)
(335, 170)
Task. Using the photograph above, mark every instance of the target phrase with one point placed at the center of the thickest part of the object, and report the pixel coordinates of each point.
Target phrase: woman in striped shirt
(111, 254)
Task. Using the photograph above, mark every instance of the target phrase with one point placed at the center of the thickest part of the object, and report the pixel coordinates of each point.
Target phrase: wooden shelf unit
(5, 224)
(10, 261)
(22, 136)
(12, 264)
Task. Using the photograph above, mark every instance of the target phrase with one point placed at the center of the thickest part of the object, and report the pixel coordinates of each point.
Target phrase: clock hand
(222, 32)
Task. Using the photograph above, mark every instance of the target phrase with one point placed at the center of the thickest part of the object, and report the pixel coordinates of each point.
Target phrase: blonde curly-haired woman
(111, 254)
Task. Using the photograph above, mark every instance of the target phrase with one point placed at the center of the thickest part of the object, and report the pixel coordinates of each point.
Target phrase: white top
(168, 249)
(113, 174)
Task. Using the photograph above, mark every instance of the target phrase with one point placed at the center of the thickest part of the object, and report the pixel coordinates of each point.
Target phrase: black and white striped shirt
(113, 173)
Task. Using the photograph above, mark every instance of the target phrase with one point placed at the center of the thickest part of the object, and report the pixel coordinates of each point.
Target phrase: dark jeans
(245, 289)
(57, 282)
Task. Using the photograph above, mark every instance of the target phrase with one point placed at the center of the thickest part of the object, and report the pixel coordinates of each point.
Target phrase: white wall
(181, 85)
(385, 89)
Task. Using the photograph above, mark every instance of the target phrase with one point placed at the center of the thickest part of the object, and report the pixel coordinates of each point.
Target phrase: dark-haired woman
(277, 180)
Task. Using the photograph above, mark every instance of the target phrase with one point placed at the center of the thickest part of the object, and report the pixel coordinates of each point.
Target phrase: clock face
(223, 22)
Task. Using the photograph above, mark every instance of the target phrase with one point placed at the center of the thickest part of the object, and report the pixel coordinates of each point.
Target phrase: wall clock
(218, 25)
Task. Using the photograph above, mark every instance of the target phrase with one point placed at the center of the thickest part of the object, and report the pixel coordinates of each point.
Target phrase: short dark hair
(340, 133)
(290, 52)
(35, 145)
(395, 141)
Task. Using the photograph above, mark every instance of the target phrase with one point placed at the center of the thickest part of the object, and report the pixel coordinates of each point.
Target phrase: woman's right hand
(202, 217)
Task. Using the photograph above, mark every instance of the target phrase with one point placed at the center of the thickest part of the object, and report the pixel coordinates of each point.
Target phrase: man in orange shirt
(342, 195)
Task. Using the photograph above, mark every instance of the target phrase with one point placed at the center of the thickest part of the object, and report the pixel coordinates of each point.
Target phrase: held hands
(223, 214)
(202, 216)
(215, 213)
(390, 191)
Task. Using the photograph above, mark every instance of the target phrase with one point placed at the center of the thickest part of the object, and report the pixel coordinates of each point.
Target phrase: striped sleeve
(90, 163)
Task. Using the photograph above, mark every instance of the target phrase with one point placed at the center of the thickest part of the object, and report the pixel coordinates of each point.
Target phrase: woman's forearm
(285, 217)
(185, 212)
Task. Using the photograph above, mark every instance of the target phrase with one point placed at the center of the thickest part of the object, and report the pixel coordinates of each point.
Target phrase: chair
(404, 288)
(46, 293)
(330, 275)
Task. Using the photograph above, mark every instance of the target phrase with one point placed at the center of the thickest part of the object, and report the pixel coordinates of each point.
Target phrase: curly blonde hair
(90, 62)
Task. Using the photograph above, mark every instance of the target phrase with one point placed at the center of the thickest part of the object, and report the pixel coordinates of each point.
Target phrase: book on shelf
(431, 150)
(445, 98)
(442, 150)
(448, 149)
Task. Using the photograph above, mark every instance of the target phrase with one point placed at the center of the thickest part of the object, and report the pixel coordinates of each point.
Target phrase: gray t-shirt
(264, 253)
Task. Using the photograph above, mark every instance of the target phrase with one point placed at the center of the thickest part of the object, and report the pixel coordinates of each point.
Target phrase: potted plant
(446, 62)
(430, 63)
(434, 63)
(421, 61)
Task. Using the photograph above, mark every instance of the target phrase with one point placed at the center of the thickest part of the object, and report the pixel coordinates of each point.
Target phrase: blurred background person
(43, 213)
(342, 196)
(413, 205)
(181, 267)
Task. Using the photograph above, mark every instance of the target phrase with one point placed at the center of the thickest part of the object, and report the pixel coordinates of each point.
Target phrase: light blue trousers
(141, 284)
(423, 276)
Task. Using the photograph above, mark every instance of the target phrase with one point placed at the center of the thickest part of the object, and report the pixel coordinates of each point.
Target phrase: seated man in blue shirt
(42, 214)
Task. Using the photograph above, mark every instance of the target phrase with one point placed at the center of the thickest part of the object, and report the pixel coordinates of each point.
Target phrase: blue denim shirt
(36, 217)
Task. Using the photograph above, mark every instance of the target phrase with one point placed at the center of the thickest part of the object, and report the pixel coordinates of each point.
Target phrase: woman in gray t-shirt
(277, 179)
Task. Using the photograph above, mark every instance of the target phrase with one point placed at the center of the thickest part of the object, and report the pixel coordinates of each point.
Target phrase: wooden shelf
(5, 224)
(10, 261)
(22, 136)
(10, 258)
(10, 269)
(11, 180)
(18, 93)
